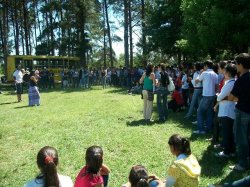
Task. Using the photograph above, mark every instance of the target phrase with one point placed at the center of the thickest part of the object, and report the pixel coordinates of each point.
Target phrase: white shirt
(199, 84)
(185, 84)
(209, 80)
(226, 108)
(65, 181)
(18, 75)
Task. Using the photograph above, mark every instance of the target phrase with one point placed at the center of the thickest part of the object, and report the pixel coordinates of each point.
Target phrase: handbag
(150, 96)
(171, 86)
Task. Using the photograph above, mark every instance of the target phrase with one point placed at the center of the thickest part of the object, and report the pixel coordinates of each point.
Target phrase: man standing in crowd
(210, 83)
(240, 94)
(18, 78)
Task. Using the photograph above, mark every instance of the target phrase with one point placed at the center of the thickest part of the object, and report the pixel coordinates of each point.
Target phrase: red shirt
(221, 84)
(85, 179)
(177, 96)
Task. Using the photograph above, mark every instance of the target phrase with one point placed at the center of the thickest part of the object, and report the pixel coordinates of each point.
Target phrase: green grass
(73, 120)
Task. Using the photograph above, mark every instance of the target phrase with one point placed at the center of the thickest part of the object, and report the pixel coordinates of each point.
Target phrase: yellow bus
(54, 63)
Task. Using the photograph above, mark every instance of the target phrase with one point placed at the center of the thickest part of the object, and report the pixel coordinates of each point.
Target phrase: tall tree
(4, 28)
(143, 40)
(130, 34)
(109, 34)
(126, 22)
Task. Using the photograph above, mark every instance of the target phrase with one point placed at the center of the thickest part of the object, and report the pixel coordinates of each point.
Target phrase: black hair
(198, 66)
(209, 64)
(244, 59)
(231, 69)
(138, 176)
(47, 160)
(149, 69)
(94, 159)
(180, 144)
(222, 64)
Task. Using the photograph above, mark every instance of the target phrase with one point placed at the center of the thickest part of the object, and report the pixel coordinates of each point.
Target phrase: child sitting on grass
(138, 177)
(94, 173)
(47, 161)
(185, 170)
(177, 100)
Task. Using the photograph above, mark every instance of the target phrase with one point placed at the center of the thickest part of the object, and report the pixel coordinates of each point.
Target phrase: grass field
(72, 120)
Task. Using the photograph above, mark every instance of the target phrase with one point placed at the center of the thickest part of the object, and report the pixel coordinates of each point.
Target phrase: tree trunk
(4, 33)
(104, 39)
(51, 31)
(16, 28)
(26, 33)
(126, 50)
(81, 20)
(130, 36)
(109, 35)
(143, 33)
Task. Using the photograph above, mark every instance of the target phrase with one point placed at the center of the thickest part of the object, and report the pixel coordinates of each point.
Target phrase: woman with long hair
(47, 161)
(94, 173)
(34, 95)
(148, 81)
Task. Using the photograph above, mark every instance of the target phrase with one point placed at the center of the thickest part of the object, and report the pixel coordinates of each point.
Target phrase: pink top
(85, 179)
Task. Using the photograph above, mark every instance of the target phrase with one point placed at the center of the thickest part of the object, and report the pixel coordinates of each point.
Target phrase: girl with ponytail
(185, 170)
(47, 161)
(138, 177)
(94, 173)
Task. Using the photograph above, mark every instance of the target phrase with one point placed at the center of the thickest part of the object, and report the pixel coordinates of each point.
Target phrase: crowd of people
(184, 171)
(216, 93)
(219, 95)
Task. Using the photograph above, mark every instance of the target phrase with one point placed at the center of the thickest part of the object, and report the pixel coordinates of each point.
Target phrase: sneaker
(237, 167)
(194, 122)
(222, 155)
(199, 132)
(187, 117)
(217, 146)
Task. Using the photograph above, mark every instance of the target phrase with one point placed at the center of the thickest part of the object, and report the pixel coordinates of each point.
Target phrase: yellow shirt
(186, 172)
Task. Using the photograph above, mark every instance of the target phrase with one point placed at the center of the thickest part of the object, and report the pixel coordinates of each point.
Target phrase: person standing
(197, 91)
(210, 83)
(162, 93)
(33, 92)
(148, 81)
(226, 112)
(240, 94)
(18, 78)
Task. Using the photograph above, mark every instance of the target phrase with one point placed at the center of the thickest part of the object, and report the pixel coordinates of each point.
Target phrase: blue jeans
(245, 182)
(195, 101)
(241, 133)
(162, 103)
(205, 108)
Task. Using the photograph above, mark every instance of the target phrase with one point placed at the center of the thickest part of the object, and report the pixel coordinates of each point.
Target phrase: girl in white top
(226, 112)
(47, 160)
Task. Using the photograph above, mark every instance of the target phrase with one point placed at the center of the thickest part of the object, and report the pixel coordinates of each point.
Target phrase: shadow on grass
(118, 90)
(20, 107)
(209, 162)
(8, 103)
(233, 176)
(140, 122)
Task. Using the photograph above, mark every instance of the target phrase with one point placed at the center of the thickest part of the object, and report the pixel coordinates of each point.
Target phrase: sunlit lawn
(72, 120)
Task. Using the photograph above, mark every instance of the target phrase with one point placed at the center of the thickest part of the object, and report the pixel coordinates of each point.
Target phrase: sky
(118, 47)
